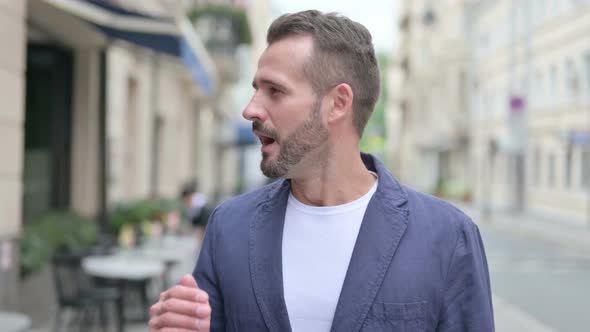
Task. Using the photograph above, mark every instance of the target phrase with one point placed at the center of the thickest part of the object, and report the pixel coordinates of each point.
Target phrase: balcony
(222, 28)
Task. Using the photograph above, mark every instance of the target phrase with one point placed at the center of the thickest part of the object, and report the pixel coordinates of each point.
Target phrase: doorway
(48, 120)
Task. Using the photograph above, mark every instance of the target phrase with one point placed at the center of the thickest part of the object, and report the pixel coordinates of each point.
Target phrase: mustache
(259, 127)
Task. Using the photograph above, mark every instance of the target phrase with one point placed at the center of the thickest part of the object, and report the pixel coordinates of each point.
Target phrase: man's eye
(274, 91)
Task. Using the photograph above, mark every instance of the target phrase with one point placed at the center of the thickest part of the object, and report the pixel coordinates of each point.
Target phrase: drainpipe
(103, 144)
(156, 123)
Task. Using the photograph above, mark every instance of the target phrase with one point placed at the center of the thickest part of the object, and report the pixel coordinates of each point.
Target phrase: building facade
(12, 84)
(531, 106)
(495, 96)
(92, 117)
(428, 110)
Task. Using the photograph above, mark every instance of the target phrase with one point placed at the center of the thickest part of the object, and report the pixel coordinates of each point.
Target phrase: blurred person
(337, 244)
(195, 207)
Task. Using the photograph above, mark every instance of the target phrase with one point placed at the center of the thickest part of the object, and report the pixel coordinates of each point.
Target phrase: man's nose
(254, 110)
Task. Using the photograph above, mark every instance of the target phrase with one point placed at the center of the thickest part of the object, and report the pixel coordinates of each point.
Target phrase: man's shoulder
(436, 212)
(237, 207)
(254, 197)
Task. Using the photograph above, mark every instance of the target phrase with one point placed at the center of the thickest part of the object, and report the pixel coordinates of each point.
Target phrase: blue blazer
(418, 264)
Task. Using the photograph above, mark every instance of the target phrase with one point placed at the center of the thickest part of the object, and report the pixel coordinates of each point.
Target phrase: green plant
(56, 232)
(165, 205)
(136, 212)
(133, 213)
(458, 190)
(238, 16)
(35, 250)
(440, 189)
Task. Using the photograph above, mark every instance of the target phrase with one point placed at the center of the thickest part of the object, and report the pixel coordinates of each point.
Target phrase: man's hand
(183, 307)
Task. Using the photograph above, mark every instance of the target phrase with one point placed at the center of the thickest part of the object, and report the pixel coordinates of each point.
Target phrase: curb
(562, 234)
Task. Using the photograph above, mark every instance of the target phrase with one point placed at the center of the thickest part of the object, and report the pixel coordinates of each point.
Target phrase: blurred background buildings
(490, 101)
(113, 101)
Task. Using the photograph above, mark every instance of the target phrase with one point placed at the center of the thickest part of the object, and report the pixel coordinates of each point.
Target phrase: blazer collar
(382, 228)
(265, 256)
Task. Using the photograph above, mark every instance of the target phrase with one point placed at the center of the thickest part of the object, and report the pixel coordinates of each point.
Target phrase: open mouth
(265, 140)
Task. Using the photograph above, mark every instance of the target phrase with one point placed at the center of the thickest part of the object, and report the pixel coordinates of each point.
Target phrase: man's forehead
(285, 58)
(293, 44)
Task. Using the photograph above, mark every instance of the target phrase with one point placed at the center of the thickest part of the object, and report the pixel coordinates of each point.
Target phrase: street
(545, 284)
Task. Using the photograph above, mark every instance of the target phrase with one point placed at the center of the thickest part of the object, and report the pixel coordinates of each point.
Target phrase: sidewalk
(548, 228)
(41, 299)
(510, 318)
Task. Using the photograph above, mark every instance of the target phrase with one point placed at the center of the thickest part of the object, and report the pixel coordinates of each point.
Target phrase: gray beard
(307, 137)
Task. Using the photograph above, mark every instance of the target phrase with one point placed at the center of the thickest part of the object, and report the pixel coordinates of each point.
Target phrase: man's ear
(341, 98)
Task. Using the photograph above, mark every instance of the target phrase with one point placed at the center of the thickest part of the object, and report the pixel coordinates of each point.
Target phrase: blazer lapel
(383, 226)
(265, 255)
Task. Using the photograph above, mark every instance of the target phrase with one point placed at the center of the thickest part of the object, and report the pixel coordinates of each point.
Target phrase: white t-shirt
(317, 247)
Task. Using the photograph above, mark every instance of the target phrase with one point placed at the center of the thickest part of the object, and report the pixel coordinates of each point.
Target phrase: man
(338, 244)
(195, 207)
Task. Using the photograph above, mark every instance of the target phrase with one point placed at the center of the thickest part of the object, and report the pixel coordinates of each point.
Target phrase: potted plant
(132, 220)
(55, 233)
(237, 16)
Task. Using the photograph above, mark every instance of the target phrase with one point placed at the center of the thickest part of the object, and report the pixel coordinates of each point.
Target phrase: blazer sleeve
(205, 273)
(467, 302)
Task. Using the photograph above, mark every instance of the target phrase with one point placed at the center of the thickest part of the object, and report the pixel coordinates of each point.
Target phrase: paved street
(545, 281)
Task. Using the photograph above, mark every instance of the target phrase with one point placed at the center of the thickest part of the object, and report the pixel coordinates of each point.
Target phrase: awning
(232, 134)
(576, 136)
(245, 136)
(171, 36)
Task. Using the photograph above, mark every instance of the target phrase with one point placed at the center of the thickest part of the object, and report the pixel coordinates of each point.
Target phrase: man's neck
(334, 182)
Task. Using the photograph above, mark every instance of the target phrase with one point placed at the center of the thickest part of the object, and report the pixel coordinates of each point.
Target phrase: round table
(127, 272)
(14, 322)
(122, 266)
(169, 249)
(174, 251)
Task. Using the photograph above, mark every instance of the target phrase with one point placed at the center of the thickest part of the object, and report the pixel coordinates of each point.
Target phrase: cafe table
(14, 322)
(126, 271)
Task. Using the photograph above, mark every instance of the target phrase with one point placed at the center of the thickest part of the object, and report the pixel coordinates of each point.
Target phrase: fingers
(181, 308)
(198, 310)
(189, 281)
(185, 293)
(175, 322)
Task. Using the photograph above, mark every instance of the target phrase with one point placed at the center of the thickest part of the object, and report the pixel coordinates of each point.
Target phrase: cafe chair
(76, 292)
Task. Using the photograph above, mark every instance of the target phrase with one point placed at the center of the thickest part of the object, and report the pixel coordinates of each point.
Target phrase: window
(487, 102)
(524, 86)
(495, 110)
(537, 167)
(537, 92)
(568, 166)
(587, 65)
(561, 7)
(500, 103)
(571, 79)
(509, 163)
(553, 83)
(551, 171)
(534, 13)
(585, 176)
(542, 11)
(568, 6)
